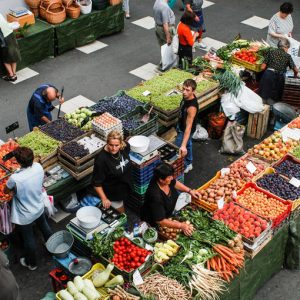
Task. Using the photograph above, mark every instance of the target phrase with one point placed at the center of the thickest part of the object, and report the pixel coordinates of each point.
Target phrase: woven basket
(73, 10)
(66, 3)
(33, 3)
(54, 3)
(55, 15)
(35, 11)
(42, 12)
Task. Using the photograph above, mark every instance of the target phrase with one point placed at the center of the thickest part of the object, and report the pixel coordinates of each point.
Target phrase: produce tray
(294, 203)
(79, 161)
(79, 175)
(262, 237)
(128, 276)
(247, 65)
(214, 89)
(169, 123)
(102, 291)
(251, 253)
(288, 156)
(76, 169)
(279, 219)
(166, 116)
(137, 114)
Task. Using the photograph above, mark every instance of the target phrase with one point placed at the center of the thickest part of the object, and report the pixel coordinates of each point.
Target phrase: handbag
(2, 40)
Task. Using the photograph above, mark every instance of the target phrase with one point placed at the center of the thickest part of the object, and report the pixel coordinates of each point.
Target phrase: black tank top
(184, 105)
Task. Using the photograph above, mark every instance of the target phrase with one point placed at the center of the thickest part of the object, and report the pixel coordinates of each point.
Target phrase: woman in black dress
(161, 198)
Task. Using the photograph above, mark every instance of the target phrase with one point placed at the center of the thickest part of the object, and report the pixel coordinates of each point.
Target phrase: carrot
(208, 265)
(226, 277)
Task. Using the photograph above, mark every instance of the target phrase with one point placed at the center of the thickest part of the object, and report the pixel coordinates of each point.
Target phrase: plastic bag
(175, 43)
(90, 200)
(200, 133)
(50, 210)
(228, 104)
(232, 141)
(168, 58)
(5, 218)
(294, 47)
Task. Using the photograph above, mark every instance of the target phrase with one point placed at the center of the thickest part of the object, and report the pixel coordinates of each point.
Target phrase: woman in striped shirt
(281, 24)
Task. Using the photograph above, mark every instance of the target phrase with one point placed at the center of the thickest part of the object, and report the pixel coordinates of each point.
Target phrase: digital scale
(18, 11)
(152, 151)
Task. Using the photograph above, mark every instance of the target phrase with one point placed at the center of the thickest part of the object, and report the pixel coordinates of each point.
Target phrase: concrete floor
(106, 71)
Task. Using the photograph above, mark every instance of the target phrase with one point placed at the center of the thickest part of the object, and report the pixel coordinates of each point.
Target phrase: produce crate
(258, 123)
(291, 92)
(251, 252)
(48, 160)
(137, 114)
(145, 164)
(177, 165)
(102, 291)
(289, 157)
(262, 237)
(145, 179)
(76, 169)
(79, 175)
(246, 64)
(294, 203)
(139, 172)
(128, 276)
(141, 190)
(168, 151)
(279, 219)
(135, 203)
(57, 285)
(79, 161)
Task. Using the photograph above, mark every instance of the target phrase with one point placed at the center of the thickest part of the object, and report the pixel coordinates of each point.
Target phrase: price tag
(143, 227)
(137, 278)
(234, 195)
(295, 182)
(149, 247)
(220, 203)
(146, 93)
(250, 167)
(225, 171)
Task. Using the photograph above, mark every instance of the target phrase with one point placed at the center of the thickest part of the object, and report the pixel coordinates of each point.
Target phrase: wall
(6, 4)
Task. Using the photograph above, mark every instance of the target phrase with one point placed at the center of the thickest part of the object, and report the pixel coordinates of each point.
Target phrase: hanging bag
(5, 218)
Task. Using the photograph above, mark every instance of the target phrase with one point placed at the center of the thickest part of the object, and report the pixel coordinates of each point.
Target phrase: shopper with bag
(27, 204)
(9, 50)
(187, 123)
(164, 23)
(186, 38)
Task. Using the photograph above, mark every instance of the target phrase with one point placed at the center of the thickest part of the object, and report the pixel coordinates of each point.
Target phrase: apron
(33, 120)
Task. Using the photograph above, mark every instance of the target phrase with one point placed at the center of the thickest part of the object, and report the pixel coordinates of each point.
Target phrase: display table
(87, 28)
(260, 269)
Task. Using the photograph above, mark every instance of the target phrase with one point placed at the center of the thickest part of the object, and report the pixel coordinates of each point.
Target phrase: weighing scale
(154, 145)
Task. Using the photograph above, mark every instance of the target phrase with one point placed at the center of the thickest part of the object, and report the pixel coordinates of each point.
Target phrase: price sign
(220, 203)
(146, 93)
(149, 247)
(137, 278)
(234, 195)
(250, 167)
(295, 182)
(225, 171)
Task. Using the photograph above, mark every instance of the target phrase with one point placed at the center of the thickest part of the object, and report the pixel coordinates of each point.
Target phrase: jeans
(126, 6)
(29, 238)
(189, 157)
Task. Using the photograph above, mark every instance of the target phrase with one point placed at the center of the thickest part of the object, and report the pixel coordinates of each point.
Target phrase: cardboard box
(258, 123)
(29, 19)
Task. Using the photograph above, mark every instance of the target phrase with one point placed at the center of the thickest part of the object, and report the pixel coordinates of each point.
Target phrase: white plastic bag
(294, 48)
(168, 58)
(50, 210)
(200, 133)
(228, 104)
(175, 43)
(248, 100)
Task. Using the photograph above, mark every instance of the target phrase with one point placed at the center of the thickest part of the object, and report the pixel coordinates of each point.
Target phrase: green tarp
(87, 28)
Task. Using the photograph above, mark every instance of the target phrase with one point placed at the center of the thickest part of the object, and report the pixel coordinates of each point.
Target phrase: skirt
(197, 26)
(10, 53)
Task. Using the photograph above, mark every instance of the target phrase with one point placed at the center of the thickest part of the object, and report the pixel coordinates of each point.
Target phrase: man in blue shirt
(40, 105)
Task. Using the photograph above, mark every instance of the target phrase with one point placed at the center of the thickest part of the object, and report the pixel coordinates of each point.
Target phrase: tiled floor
(74, 103)
(256, 22)
(25, 74)
(209, 42)
(87, 49)
(147, 22)
(146, 71)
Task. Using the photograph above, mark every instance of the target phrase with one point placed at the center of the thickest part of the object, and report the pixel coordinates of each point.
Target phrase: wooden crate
(75, 168)
(258, 123)
(80, 175)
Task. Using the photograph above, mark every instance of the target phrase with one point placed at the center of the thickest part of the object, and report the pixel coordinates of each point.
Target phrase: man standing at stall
(164, 22)
(186, 125)
(40, 105)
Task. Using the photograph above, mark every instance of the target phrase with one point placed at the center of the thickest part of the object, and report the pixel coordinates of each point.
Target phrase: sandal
(13, 78)
(6, 78)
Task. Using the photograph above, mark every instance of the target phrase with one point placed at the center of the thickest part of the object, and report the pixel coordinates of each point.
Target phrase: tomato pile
(240, 220)
(3, 196)
(10, 164)
(128, 256)
(246, 55)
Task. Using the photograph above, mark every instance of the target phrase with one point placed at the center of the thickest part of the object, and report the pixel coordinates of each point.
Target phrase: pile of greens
(225, 51)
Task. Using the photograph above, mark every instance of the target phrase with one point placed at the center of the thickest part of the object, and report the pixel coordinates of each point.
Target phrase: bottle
(136, 230)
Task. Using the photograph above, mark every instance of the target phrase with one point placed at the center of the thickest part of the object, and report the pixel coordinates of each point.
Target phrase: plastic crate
(146, 169)
(57, 284)
(247, 65)
(286, 157)
(137, 114)
(142, 180)
(280, 218)
(141, 190)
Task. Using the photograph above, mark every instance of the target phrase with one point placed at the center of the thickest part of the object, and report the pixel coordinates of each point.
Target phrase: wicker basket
(54, 3)
(66, 3)
(33, 3)
(55, 15)
(35, 11)
(73, 10)
(42, 12)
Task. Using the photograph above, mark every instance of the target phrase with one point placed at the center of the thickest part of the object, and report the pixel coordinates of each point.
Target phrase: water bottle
(136, 230)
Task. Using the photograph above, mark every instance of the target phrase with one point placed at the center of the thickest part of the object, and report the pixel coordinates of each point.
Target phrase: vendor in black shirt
(112, 173)
(161, 198)
(275, 65)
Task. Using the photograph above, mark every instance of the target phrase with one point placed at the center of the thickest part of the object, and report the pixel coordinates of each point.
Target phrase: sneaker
(23, 263)
(200, 45)
(188, 168)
